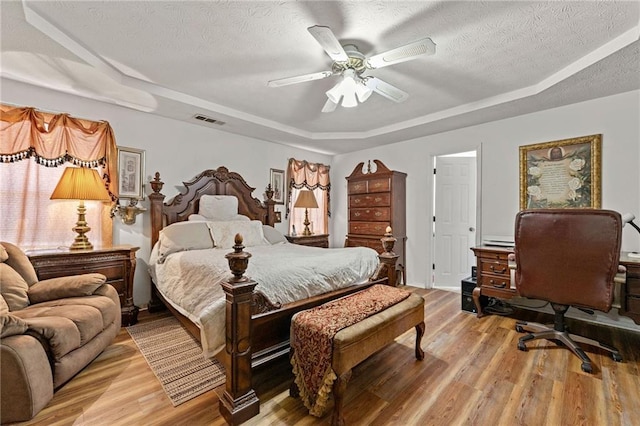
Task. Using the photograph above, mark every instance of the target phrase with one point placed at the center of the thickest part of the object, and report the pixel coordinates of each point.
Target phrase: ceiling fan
(351, 64)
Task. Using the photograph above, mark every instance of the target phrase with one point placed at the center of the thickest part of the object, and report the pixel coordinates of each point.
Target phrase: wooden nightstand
(319, 240)
(117, 263)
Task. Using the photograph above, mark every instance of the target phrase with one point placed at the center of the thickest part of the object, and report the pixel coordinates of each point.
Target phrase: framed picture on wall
(561, 174)
(277, 185)
(130, 173)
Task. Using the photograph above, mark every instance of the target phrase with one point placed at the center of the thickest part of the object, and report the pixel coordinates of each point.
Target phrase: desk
(630, 293)
(494, 280)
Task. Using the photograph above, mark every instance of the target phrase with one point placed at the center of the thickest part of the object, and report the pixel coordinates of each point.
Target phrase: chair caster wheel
(586, 367)
(616, 357)
(522, 346)
(519, 328)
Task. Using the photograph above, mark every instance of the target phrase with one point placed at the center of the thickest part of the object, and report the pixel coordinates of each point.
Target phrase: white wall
(179, 151)
(176, 149)
(615, 117)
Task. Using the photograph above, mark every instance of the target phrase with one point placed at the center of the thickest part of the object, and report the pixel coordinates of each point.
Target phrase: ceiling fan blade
(299, 79)
(329, 106)
(403, 53)
(385, 89)
(329, 42)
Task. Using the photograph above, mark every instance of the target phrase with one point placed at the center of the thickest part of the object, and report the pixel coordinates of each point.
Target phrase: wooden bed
(256, 330)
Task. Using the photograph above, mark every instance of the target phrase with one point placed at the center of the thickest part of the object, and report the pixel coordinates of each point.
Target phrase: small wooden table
(315, 240)
(117, 263)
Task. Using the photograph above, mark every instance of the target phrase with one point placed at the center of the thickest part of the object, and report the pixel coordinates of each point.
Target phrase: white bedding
(190, 280)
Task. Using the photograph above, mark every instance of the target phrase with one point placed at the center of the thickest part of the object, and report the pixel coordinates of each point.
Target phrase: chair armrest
(63, 287)
(109, 291)
(11, 325)
(26, 382)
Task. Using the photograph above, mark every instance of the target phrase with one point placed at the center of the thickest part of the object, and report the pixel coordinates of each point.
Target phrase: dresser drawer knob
(498, 271)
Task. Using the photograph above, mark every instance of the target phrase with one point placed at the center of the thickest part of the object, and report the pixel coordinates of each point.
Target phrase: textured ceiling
(180, 58)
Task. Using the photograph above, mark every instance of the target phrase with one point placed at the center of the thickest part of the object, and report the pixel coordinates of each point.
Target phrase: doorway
(454, 218)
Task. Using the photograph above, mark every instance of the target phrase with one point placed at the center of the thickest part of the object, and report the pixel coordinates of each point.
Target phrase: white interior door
(455, 215)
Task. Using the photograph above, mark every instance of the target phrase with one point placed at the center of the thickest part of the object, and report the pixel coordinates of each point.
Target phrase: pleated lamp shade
(79, 183)
(306, 200)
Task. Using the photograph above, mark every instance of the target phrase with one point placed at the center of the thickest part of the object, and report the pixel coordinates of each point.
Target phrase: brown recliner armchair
(568, 257)
(49, 331)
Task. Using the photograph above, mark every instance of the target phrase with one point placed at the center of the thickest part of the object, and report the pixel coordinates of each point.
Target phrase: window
(315, 177)
(35, 148)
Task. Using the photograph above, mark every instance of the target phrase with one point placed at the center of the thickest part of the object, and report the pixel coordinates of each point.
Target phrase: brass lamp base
(306, 231)
(81, 242)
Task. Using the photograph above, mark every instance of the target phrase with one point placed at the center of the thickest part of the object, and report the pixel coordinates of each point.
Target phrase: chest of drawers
(377, 200)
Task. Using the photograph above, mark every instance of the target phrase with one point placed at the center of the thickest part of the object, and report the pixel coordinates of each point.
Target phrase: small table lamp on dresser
(628, 218)
(80, 183)
(306, 200)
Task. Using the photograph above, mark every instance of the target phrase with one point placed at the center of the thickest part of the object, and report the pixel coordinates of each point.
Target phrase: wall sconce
(129, 212)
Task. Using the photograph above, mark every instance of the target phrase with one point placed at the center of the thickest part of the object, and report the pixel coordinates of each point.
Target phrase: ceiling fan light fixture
(335, 93)
(350, 90)
(363, 92)
(349, 100)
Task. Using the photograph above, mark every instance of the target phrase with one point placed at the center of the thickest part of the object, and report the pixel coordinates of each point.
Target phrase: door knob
(472, 229)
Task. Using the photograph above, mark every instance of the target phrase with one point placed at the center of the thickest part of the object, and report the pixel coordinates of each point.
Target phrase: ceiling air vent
(208, 119)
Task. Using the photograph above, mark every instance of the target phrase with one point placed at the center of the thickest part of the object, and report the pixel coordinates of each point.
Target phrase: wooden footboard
(254, 339)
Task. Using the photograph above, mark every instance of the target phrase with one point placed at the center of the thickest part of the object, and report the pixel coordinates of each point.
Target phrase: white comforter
(190, 280)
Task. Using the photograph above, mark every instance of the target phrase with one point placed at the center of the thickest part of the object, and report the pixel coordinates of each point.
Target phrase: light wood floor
(472, 374)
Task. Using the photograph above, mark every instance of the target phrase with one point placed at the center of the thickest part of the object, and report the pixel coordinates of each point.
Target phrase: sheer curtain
(32, 146)
(313, 176)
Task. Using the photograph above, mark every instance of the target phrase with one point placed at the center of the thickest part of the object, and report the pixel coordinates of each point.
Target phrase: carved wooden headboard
(210, 182)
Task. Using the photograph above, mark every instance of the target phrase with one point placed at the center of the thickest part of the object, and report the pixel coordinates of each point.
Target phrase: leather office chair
(568, 257)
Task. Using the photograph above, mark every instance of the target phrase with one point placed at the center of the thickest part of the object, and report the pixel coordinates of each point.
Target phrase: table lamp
(79, 183)
(306, 200)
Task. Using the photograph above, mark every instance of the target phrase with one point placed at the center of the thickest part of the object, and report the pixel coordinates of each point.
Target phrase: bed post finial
(270, 203)
(388, 259)
(269, 192)
(388, 241)
(239, 401)
(238, 260)
(156, 183)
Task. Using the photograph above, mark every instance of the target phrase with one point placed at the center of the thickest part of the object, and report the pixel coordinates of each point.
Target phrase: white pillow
(218, 207)
(272, 235)
(224, 233)
(181, 236)
(199, 217)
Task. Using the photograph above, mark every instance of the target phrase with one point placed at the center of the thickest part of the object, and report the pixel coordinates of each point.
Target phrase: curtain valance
(302, 174)
(309, 175)
(53, 139)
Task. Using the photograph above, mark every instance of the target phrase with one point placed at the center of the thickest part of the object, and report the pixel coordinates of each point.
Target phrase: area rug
(175, 357)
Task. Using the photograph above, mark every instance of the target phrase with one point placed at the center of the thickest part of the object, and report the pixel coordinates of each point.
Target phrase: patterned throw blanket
(313, 332)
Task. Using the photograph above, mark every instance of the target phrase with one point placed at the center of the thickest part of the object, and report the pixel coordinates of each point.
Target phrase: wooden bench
(356, 343)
